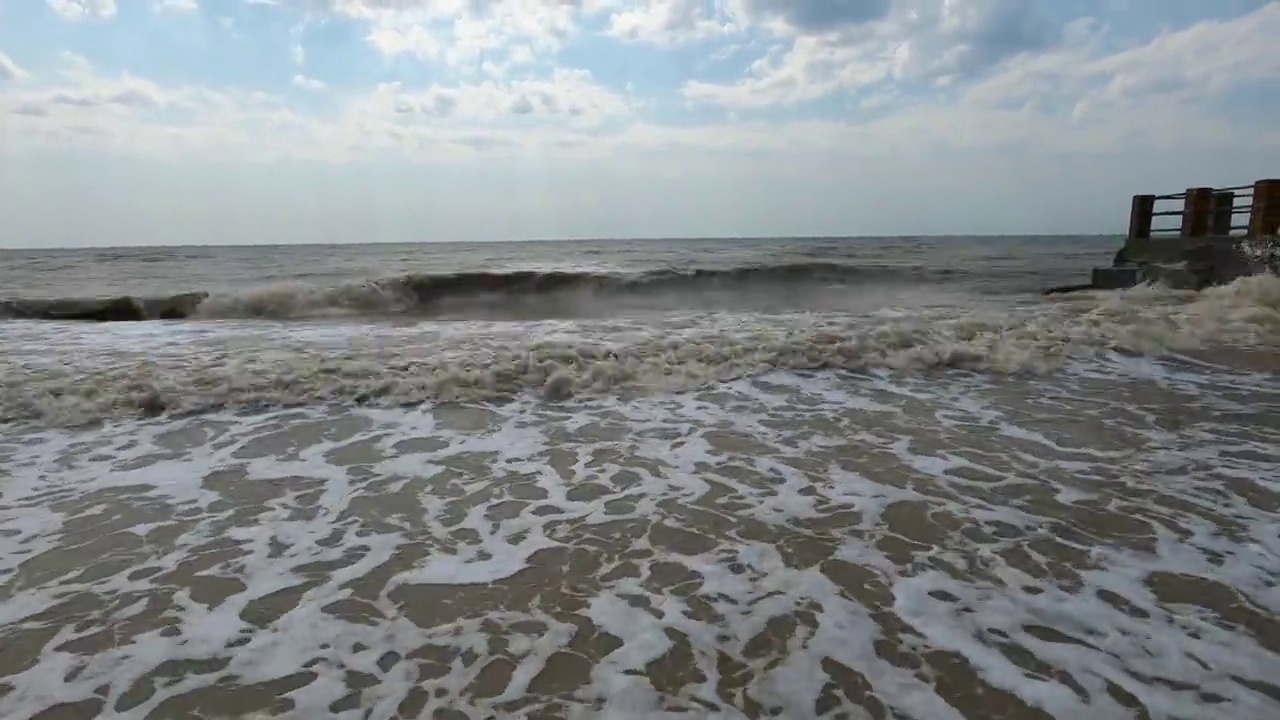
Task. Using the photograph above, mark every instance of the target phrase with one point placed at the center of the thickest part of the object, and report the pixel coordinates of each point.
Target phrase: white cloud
(1080, 94)
(124, 113)
(466, 33)
(919, 98)
(84, 9)
(668, 21)
(813, 16)
(125, 93)
(392, 39)
(307, 83)
(175, 5)
(74, 66)
(845, 47)
(812, 68)
(568, 96)
(9, 69)
(1163, 93)
(1190, 67)
(296, 50)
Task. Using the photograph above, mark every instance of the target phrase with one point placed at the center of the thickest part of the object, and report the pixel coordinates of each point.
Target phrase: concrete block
(1177, 277)
(1116, 278)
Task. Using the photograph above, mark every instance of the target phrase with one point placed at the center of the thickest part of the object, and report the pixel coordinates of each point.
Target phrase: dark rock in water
(151, 403)
(1064, 289)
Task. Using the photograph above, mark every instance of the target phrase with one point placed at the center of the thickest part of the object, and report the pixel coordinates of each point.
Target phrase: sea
(838, 478)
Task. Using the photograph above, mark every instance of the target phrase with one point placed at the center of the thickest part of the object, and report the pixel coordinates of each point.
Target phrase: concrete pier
(1115, 278)
(1264, 211)
(1212, 244)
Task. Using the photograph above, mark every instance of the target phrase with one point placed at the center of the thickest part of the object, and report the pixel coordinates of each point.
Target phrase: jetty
(1220, 234)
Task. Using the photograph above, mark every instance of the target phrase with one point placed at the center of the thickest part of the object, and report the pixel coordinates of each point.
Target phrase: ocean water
(796, 478)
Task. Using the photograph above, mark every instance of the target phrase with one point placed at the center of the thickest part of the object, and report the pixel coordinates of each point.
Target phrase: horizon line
(616, 238)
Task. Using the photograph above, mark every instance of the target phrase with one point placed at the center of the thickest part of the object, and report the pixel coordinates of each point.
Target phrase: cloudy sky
(233, 121)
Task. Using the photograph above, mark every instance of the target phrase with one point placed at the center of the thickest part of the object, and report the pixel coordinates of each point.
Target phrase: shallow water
(934, 504)
(809, 545)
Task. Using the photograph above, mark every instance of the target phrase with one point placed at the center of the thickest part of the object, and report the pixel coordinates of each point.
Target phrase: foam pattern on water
(799, 545)
(73, 374)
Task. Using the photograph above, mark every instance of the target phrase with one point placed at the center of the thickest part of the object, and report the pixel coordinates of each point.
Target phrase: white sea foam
(69, 374)
(808, 544)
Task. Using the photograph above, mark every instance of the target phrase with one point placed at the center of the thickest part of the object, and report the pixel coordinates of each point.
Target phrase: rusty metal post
(1195, 212)
(1222, 207)
(1140, 216)
(1264, 214)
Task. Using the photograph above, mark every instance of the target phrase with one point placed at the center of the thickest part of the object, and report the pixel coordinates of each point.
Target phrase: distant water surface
(995, 264)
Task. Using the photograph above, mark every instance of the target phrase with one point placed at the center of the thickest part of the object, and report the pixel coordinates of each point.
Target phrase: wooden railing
(1240, 210)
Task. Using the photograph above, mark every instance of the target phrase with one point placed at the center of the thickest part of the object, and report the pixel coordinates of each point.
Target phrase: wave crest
(523, 293)
(80, 375)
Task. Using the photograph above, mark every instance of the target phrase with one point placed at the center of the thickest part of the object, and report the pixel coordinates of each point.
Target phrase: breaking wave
(519, 293)
(78, 375)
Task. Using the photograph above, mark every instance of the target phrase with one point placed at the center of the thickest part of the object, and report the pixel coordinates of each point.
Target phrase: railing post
(1140, 216)
(1222, 207)
(1195, 212)
(1264, 215)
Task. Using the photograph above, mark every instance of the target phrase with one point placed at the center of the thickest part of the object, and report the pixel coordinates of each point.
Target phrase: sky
(126, 122)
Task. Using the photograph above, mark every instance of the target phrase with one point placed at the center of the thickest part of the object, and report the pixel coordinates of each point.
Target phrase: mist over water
(721, 479)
